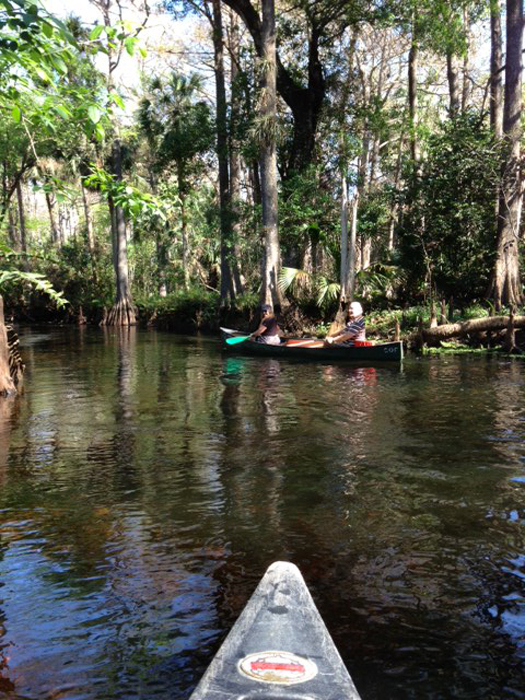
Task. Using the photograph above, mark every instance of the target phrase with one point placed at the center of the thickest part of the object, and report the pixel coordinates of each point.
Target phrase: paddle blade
(237, 339)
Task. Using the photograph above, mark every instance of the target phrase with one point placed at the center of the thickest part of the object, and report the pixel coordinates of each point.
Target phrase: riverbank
(199, 311)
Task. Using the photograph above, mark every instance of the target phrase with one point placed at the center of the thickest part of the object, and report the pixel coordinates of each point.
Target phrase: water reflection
(146, 482)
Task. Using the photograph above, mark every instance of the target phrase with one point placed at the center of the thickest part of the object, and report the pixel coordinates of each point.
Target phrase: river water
(147, 481)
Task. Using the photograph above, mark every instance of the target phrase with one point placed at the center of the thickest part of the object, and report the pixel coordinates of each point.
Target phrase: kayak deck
(278, 648)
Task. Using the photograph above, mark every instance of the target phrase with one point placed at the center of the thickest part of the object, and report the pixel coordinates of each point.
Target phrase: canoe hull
(382, 352)
(278, 648)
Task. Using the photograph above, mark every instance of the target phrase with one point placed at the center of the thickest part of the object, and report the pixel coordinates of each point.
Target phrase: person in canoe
(268, 331)
(354, 329)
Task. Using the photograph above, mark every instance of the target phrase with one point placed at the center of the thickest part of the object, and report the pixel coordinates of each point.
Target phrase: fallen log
(432, 336)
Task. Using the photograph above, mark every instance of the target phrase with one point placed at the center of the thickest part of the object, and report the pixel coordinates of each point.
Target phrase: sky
(82, 8)
(163, 38)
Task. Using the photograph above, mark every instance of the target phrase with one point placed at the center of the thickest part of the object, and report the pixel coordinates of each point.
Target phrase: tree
(270, 293)
(302, 83)
(506, 282)
(119, 38)
(496, 67)
(453, 253)
(34, 49)
(228, 290)
(179, 129)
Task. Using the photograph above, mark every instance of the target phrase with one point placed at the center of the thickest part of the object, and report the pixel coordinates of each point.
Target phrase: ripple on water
(149, 481)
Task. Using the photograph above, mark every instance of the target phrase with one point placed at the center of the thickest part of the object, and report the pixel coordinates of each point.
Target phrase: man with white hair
(354, 329)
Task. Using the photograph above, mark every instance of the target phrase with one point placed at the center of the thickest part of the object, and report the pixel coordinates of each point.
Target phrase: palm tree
(178, 128)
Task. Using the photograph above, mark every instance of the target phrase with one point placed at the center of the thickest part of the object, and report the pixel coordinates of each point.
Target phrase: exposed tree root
(121, 314)
(16, 364)
(7, 385)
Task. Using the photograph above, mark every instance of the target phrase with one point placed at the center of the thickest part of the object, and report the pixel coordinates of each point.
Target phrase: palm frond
(327, 291)
(292, 279)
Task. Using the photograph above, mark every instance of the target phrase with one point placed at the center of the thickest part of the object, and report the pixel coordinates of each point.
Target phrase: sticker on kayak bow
(277, 667)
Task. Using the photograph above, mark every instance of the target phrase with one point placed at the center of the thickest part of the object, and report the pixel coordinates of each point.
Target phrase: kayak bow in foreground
(278, 648)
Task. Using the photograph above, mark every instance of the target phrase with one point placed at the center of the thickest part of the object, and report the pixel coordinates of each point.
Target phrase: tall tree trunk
(22, 223)
(181, 181)
(255, 181)
(366, 252)
(377, 95)
(14, 239)
(270, 293)
(5, 189)
(235, 154)
(496, 74)
(227, 292)
(306, 110)
(352, 266)
(65, 228)
(347, 247)
(506, 285)
(305, 103)
(161, 266)
(348, 270)
(160, 244)
(453, 89)
(344, 237)
(50, 202)
(412, 101)
(9, 185)
(465, 93)
(88, 219)
(496, 83)
(362, 183)
(395, 204)
(123, 311)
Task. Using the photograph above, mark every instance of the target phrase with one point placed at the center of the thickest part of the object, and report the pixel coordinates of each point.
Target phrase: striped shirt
(357, 328)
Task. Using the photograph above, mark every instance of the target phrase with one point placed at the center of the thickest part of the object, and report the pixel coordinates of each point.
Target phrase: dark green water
(147, 481)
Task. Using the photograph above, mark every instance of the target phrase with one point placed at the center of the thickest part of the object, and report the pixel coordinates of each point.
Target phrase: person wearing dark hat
(269, 331)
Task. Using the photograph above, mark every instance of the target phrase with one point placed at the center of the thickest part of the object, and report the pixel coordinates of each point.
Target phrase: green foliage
(381, 323)
(374, 218)
(86, 280)
(478, 311)
(321, 330)
(307, 289)
(195, 307)
(133, 201)
(46, 77)
(35, 46)
(458, 348)
(57, 114)
(177, 125)
(378, 281)
(15, 281)
(248, 301)
(121, 33)
(447, 235)
(34, 279)
(307, 212)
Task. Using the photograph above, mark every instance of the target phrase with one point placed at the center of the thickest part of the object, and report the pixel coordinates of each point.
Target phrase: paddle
(237, 339)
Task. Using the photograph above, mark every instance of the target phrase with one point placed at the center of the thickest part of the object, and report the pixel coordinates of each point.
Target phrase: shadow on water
(146, 482)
